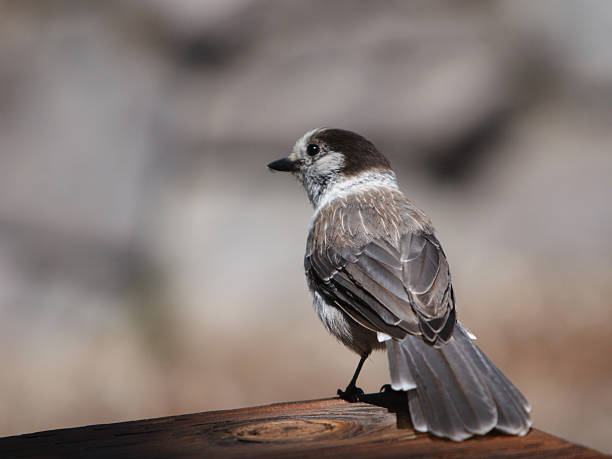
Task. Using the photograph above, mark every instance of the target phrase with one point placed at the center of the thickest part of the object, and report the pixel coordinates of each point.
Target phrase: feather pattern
(460, 391)
(381, 266)
(406, 284)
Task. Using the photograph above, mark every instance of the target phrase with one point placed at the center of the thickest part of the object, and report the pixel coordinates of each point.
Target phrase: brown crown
(360, 154)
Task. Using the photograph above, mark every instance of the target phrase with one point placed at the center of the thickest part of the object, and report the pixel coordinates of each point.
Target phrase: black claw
(386, 388)
(351, 394)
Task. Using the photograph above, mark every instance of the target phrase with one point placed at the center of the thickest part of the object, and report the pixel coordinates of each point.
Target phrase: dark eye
(312, 149)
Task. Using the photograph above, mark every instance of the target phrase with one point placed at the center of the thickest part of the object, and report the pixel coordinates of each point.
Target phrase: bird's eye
(312, 149)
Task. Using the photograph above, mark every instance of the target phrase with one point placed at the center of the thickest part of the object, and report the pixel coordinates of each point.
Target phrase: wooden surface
(321, 428)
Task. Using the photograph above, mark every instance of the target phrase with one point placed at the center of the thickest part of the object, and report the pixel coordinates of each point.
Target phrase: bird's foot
(386, 388)
(351, 394)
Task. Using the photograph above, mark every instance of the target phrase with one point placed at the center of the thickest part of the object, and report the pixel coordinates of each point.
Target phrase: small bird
(380, 279)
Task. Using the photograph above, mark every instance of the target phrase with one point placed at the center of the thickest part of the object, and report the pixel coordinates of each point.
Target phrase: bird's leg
(352, 393)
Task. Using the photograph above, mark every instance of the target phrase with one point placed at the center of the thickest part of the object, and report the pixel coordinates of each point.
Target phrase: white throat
(363, 182)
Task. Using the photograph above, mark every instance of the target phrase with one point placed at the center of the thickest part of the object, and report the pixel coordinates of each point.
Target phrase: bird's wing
(391, 290)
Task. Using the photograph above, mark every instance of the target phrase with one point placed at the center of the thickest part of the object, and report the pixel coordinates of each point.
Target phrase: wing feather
(393, 288)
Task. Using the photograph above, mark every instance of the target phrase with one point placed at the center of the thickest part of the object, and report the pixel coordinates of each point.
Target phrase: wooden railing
(318, 428)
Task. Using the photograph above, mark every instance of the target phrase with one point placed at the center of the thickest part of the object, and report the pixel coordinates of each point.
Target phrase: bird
(380, 280)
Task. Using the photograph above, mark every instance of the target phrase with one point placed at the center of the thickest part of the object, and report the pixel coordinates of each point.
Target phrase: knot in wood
(285, 430)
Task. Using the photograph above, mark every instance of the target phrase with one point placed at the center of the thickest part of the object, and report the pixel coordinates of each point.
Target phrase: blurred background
(151, 265)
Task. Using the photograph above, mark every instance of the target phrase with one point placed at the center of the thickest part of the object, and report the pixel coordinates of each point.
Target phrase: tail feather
(477, 406)
(440, 410)
(416, 412)
(459, 391)
(401, 376)
(513, 409)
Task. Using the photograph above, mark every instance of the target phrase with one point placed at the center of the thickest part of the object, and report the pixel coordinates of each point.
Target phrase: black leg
(352, 393)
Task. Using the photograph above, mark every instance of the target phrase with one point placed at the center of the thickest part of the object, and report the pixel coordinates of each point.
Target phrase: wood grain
(321, 428)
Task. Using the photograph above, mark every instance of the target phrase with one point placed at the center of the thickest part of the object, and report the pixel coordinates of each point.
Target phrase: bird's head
(324, 157)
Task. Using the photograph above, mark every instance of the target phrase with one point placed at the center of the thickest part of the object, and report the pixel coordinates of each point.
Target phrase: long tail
(459, 391)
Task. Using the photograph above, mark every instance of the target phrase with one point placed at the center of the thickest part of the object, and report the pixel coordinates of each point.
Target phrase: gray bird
(380, 279)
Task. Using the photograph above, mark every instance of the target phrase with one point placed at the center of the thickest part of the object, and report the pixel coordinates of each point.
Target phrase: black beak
(283, 165)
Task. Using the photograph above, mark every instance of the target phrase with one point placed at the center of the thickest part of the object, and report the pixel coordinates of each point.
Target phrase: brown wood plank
(322, 428)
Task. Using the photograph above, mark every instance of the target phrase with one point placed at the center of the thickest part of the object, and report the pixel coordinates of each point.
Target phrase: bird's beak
(284, 165)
